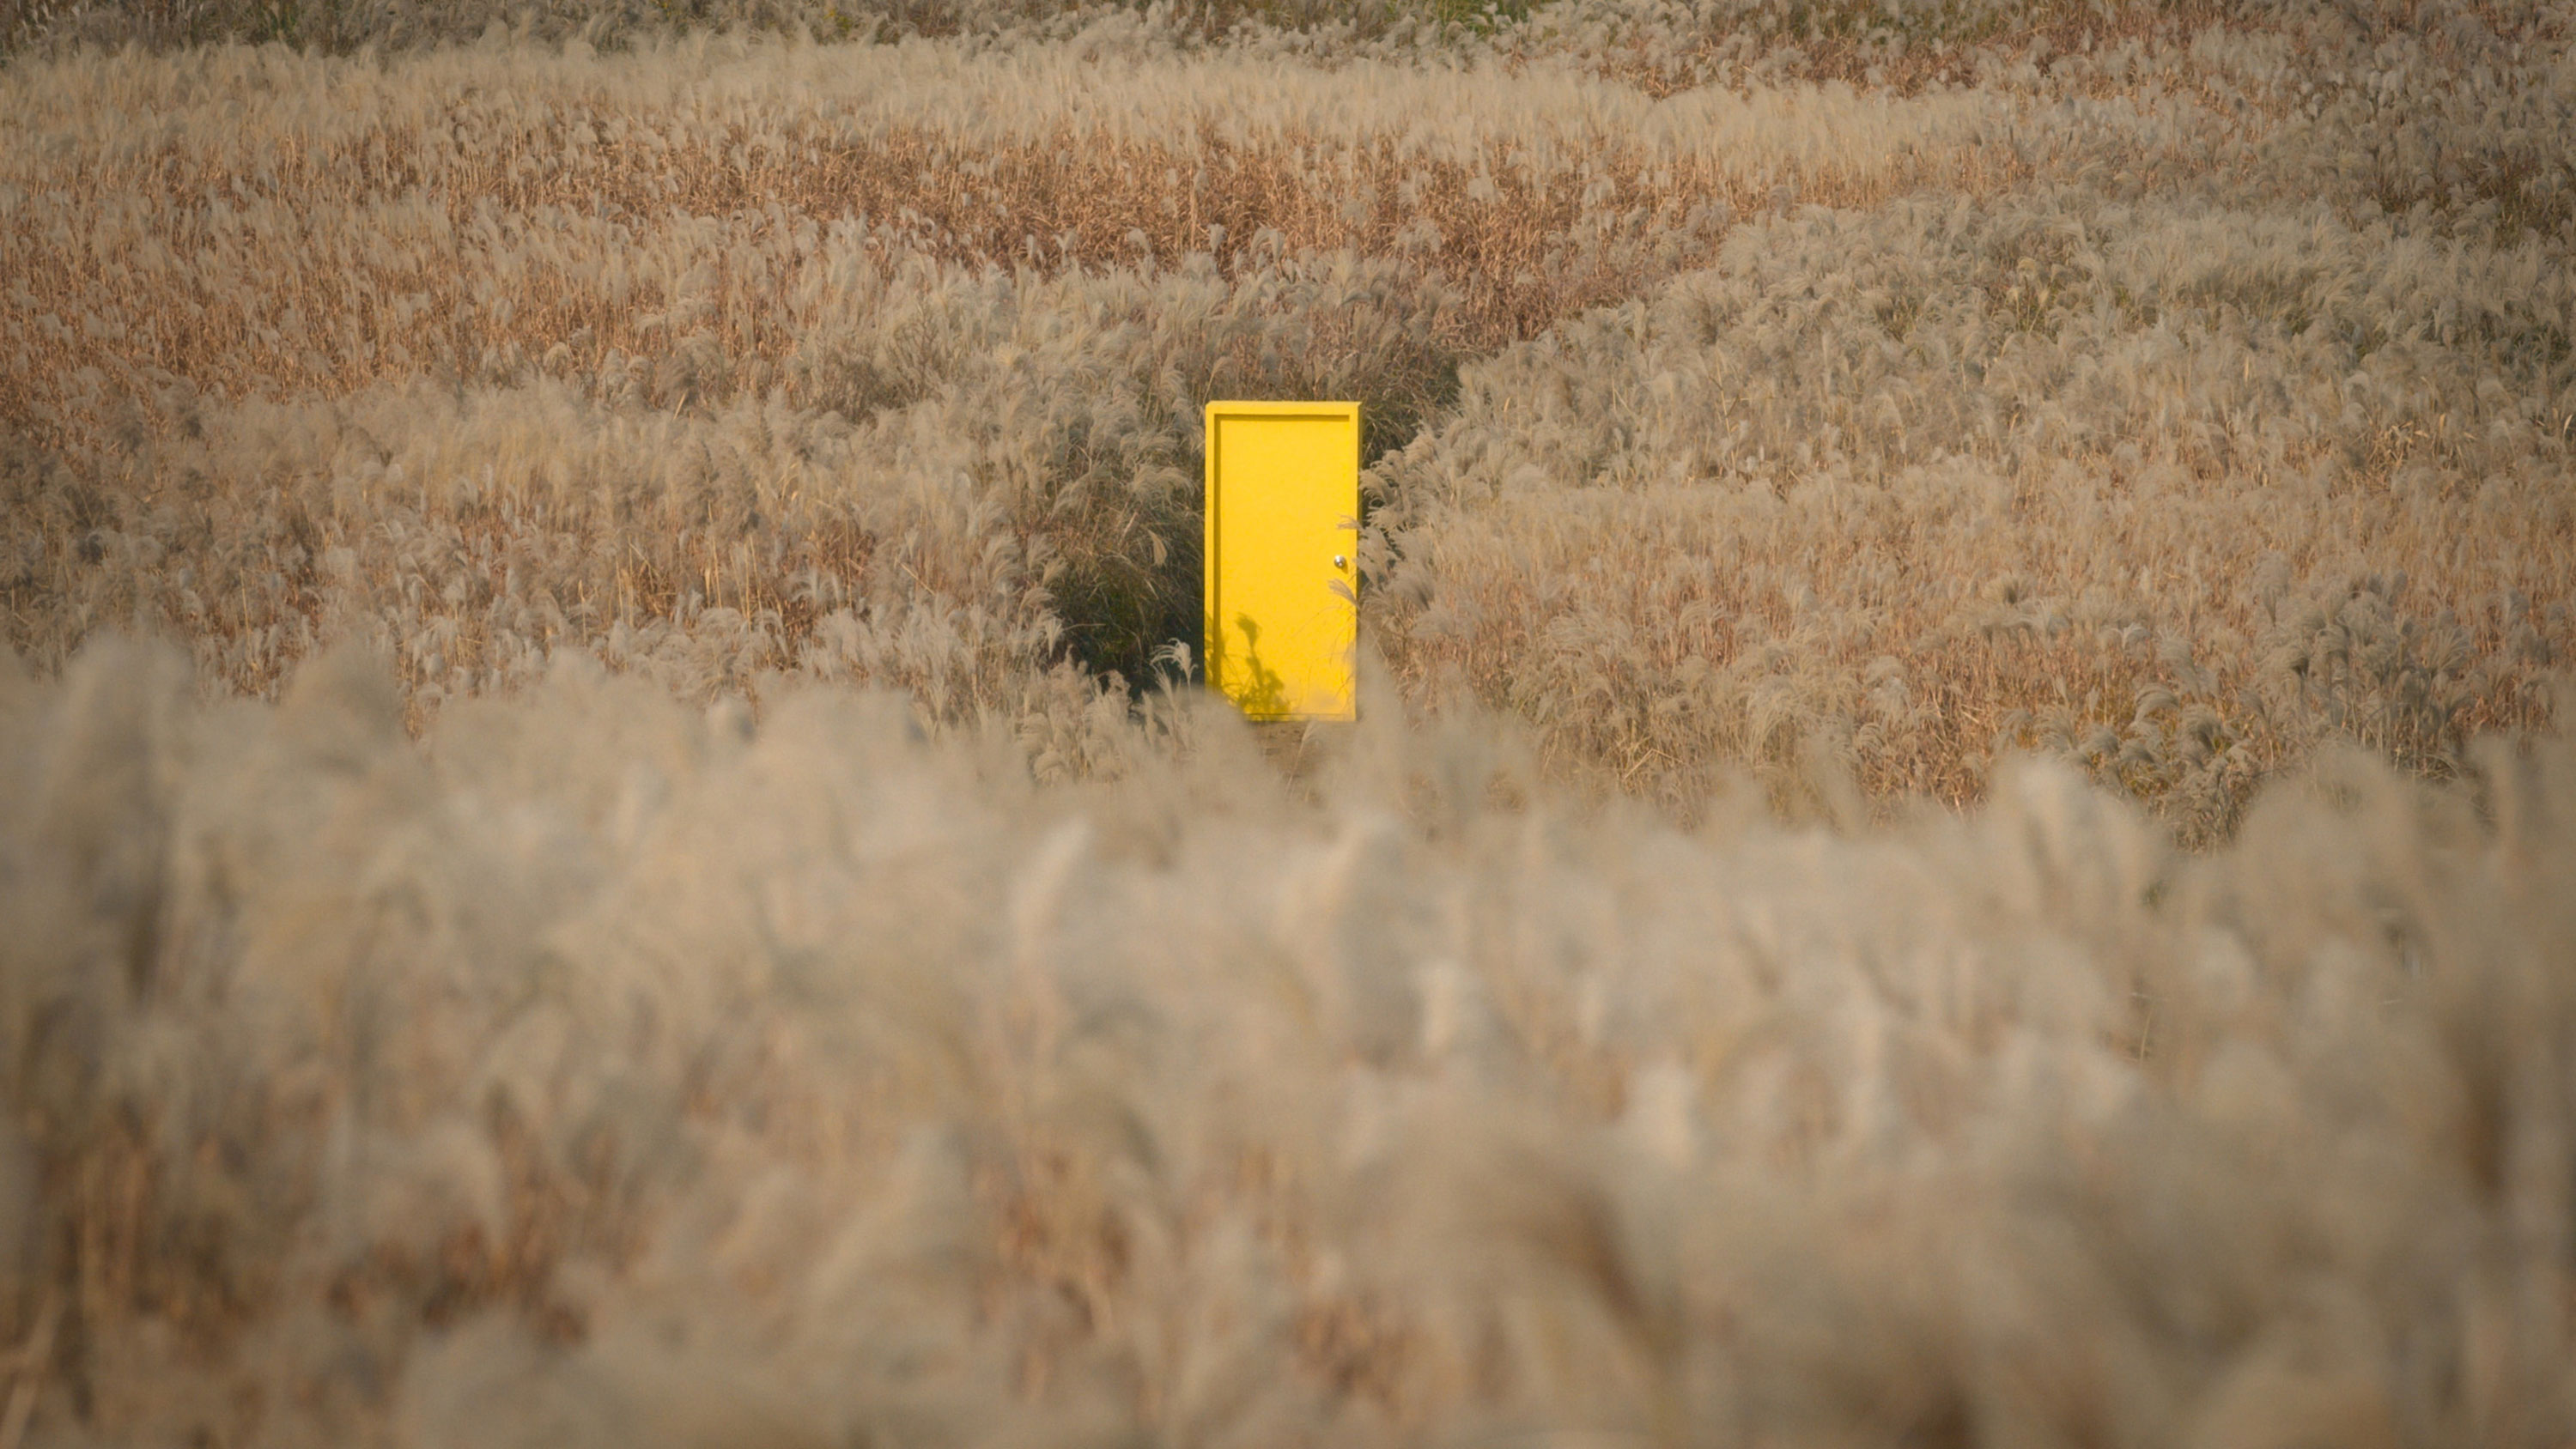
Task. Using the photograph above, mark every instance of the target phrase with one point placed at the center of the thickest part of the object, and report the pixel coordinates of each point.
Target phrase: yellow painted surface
(1283, 506)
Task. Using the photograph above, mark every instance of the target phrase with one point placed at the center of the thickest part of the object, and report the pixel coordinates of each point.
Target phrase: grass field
(1959, 835)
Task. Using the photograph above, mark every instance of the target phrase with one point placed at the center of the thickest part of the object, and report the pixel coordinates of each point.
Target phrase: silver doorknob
(1340, 562)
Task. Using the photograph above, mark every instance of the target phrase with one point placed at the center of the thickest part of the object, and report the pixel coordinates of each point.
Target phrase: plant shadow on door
(1255, 687)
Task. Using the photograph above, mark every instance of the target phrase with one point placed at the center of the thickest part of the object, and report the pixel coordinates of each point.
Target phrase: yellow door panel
(1283, 505)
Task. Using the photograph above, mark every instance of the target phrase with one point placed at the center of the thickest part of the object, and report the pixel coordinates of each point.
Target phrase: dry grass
(614, 1072)
(740, 250)
(2099, 479)
(2239, 444)
(2038, 376)
(454, 217)
(636, 897)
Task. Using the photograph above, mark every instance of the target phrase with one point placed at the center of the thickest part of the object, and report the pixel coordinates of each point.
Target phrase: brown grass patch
(323, 271)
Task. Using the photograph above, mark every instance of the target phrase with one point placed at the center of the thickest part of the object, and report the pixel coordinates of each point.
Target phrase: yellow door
(1283, 505)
